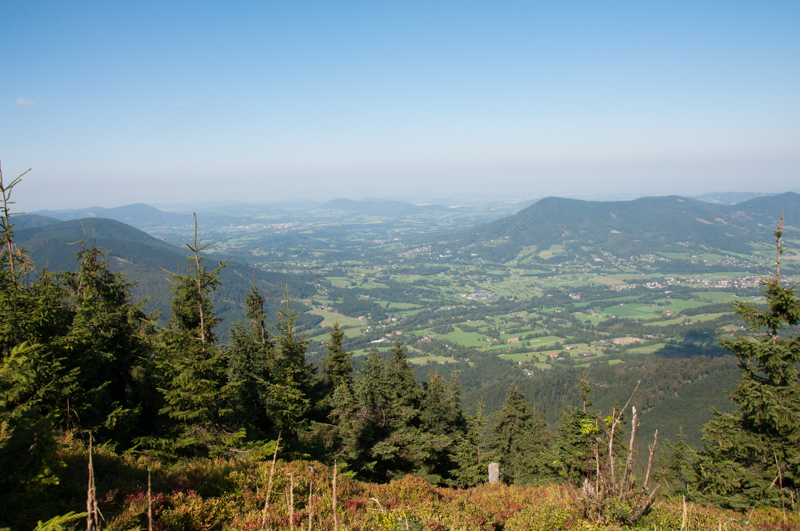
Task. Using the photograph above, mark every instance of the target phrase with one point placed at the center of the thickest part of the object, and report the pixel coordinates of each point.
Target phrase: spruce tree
(406, 445)
(443, 424)
(250, 358)
(34, 382)
(752, 456)
(363, 417)
(677, 466)
(388, 425)
(577, 437)
(32, 305)
(402, 377)
(108, 342)
(520, 442)
(336, 365)
(470, 462)
(291, 381)
(379, 425)
(192, 366)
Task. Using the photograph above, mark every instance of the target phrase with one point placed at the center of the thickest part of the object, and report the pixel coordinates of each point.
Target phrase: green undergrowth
(219, 494)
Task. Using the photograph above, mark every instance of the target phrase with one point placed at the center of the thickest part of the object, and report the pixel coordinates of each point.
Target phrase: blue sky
(112, 103)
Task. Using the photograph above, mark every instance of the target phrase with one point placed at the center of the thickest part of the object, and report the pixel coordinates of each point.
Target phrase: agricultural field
(387, 277)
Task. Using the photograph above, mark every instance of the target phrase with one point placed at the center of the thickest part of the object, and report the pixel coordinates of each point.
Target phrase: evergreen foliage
(752, 456)
(470, 461)
(192, 367)
(443, 423)
(33, 376)
(109, 341)
(361, 416)
(388, 425)
(677, 466)
(250, 355)
(336, 365)
(520, 442)
(577, 433)
(292, 382)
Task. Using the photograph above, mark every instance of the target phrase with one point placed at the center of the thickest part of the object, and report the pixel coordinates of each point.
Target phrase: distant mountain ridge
(148, 261)
(641, 225)
(729, 198)
(24, 221)
(147, 217)
(124, 214)
(144, 216)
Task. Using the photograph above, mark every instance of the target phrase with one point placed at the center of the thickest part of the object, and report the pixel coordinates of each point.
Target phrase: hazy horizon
(476, 202)
(192, 102)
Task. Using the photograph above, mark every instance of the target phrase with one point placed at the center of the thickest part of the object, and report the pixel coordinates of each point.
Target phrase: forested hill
(146, 260)
(33, 220)
(641, 225)
(146, 216)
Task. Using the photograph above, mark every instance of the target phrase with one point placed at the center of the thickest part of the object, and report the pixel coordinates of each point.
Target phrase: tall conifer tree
(336, 365)
(250, 358)
(577, 434)
(752, 456)
(520, 441)
(191, 364)
(34, 381)
(289, 389)
(108, 344)
(470, 462)
(406, 445)
(443, 424)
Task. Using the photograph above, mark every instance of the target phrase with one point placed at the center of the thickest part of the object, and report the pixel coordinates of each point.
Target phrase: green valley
(530, 295)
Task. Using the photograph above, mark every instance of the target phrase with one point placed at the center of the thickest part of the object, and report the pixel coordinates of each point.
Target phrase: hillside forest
(176, 422)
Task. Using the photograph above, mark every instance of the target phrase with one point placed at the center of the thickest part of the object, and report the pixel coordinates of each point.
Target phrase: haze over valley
(489, 294)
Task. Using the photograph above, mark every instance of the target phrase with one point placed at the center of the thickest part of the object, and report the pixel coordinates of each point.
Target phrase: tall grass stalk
(149, 504)
(335, 519)
(269, 485)
(93, 514)
(291, 501)
(310, 492)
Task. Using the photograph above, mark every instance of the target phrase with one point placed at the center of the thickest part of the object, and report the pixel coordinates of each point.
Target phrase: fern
(59, 523)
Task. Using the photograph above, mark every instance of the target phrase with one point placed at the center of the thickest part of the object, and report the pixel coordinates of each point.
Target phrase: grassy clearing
(637, 311)
(694, 257)
(645, 311)
(425, 359)
(721, 296)
(397, 305)
(538, 341)
(527, 254)
(551, 252)
(368, 284)
(592, 319)
(518, 357)
(676, 321)
(649, 349)
(331, 317)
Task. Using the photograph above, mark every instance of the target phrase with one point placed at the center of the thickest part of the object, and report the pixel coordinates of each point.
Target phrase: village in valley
(542, 309)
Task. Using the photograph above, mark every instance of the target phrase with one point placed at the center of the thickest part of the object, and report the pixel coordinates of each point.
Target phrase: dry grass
(230, 494)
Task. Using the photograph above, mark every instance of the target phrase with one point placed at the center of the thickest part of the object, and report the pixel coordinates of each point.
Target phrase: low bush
(223, 494)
